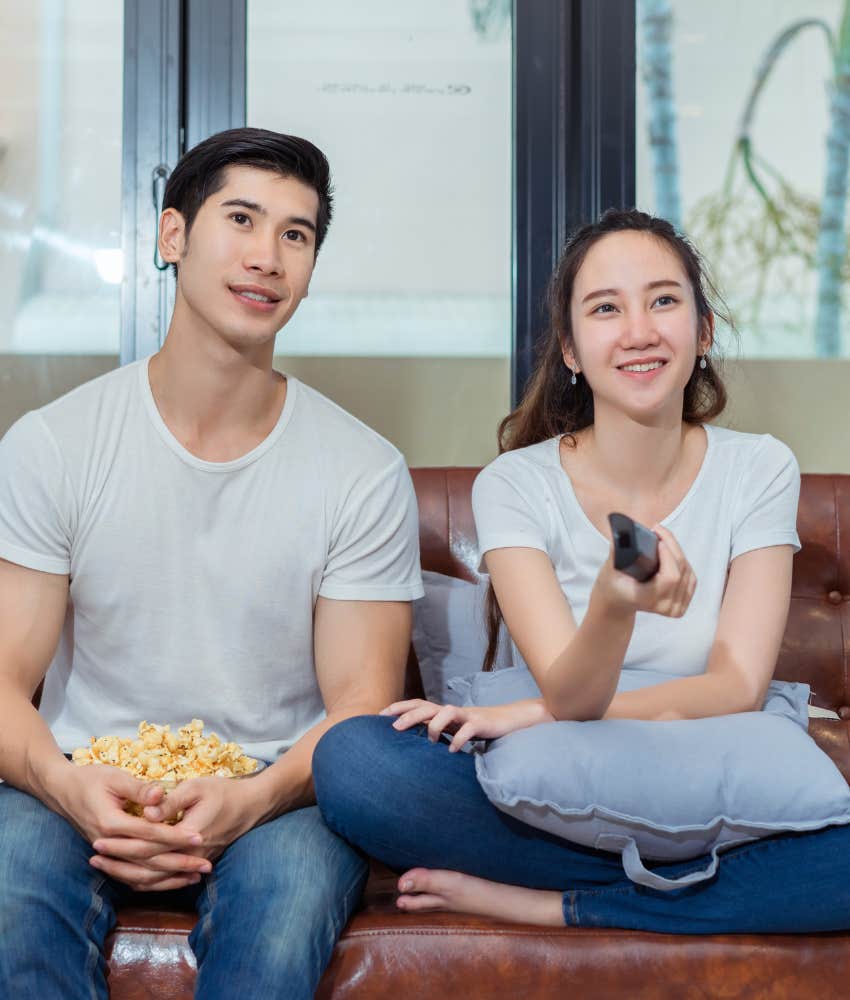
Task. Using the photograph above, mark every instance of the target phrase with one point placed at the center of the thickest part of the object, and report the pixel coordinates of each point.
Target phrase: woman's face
(635, 329)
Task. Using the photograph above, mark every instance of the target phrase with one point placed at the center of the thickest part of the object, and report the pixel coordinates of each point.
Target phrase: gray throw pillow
(450, 634)
(663, 791)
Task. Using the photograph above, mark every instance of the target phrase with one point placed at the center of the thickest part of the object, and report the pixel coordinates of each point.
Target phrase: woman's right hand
(488, 723)
(667, 593)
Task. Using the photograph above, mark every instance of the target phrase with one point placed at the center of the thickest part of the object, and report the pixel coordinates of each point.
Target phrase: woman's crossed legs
(419, 809)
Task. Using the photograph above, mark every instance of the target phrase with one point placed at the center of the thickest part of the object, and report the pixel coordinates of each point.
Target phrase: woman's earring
(703, 363)
(573, 379)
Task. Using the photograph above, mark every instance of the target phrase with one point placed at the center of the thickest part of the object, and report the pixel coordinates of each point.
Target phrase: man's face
(249, 257)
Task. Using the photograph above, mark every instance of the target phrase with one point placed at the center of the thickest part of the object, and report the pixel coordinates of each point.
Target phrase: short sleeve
(766, 511)
(374, 550)
(36, 500)
(505, 514)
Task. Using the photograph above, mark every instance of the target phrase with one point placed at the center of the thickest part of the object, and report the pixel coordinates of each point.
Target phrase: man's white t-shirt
(744, 497)
(193, 583)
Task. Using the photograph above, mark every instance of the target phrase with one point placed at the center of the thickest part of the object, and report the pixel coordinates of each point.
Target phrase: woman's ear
(706, 337)
(569, 357)
(172, 236)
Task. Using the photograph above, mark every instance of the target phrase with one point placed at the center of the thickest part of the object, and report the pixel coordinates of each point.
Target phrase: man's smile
(256, 297)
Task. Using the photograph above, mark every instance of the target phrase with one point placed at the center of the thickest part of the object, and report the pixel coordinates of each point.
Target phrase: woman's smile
(642, 370)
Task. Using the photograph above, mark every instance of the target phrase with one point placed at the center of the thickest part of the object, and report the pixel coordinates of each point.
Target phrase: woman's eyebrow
(662, 282)
(602, 292)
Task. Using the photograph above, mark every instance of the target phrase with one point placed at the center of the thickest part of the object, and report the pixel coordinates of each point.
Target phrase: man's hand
(215, 812)
(220, 809)
(145, 855)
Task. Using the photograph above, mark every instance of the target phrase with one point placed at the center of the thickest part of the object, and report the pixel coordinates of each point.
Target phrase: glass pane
(412, 105)
(60, 197)
(742, 142)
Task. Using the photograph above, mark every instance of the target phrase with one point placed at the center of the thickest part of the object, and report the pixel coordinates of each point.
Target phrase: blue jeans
(409, 802)
(270, 911)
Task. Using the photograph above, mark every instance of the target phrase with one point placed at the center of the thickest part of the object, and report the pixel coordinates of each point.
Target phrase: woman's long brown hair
(551, 406)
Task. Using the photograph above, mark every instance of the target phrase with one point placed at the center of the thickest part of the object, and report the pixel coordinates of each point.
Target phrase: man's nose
(265, 255)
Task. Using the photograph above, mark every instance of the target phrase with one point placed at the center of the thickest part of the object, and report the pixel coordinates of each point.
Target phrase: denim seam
(350, 891)
(571, 916)
(205, 924)
(94, 911)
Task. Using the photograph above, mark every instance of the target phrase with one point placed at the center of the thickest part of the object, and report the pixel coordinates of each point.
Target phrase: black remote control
(635, 547)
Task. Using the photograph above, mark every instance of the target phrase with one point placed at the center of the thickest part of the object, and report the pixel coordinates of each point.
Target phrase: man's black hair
(201, 172)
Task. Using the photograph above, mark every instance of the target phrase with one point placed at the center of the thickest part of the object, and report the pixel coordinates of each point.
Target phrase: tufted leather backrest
(447, 539)
(816, 646)
(817, 639)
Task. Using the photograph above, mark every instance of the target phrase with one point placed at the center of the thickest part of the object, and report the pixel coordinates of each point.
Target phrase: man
(197, 535)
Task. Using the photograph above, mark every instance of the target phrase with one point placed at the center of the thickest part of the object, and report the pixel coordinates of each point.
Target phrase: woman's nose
(639, 330)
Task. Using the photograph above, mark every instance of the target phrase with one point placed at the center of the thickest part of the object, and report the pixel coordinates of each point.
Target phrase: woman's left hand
(487, 723)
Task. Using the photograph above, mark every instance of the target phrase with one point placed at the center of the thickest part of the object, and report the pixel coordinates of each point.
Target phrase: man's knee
(43, 864)
(295, 855)
(285, 891)
(34, 839)
(287, 877)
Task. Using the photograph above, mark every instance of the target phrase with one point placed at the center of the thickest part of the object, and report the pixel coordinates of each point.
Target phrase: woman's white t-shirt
(744, 497)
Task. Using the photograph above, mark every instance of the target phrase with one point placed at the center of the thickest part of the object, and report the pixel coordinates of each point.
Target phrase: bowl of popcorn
(165, 758)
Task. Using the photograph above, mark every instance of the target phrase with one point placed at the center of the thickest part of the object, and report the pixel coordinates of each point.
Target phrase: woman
(614, 420)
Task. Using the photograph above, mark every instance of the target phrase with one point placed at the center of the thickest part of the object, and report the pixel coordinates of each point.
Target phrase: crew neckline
(186, 456)
(677, 510)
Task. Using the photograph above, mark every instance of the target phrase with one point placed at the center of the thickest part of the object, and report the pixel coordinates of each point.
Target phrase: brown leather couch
(386, 954)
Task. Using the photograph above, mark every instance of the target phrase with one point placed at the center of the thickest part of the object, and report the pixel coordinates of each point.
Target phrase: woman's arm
(743, 657)
(541, 623)
(577, 668)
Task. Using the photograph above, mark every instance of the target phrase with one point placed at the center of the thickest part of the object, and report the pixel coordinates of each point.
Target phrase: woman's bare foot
(427, 889)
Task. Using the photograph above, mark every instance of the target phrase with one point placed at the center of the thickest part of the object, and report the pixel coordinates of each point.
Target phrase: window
(740, 142)
(61, 264)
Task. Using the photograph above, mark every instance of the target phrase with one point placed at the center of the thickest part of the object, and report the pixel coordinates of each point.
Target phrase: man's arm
(32, 611)
(360, 650)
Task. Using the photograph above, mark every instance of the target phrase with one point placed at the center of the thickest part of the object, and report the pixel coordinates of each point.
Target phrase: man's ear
(172, 236)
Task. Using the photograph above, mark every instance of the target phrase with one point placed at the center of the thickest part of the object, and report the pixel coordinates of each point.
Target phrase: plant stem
(832, 239)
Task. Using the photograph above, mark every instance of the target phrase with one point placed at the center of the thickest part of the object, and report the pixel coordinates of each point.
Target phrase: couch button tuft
(844, 712)
(834, 597)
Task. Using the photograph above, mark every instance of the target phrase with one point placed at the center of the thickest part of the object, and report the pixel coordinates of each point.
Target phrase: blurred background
(466, 138)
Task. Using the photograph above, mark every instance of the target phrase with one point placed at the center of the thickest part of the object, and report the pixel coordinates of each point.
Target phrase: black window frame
(574, 141)
(184, 79)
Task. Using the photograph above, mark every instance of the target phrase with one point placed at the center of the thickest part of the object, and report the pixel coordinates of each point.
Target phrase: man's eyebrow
(602, 292)
(296, 220)
(244, 203)
(253, 206)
